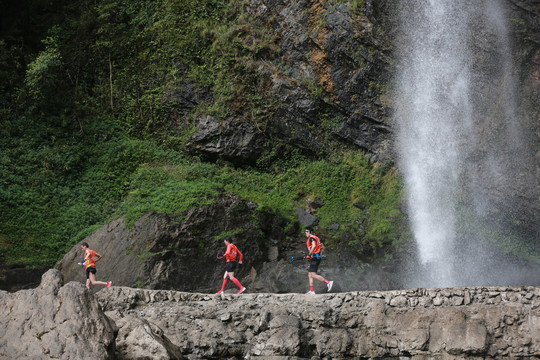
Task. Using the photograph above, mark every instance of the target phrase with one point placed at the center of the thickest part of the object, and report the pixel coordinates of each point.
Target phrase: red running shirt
(309, 243)
(232, 252)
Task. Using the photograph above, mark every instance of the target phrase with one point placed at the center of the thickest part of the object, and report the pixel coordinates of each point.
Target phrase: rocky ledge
(55, 321)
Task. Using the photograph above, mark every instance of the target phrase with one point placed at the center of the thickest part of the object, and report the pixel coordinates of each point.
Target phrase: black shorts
(314, 264)
(231, 266)
(90, 270)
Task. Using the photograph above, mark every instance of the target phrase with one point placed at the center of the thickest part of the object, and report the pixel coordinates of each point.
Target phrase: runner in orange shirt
(90, 259)
(316, 249)
(230, 256)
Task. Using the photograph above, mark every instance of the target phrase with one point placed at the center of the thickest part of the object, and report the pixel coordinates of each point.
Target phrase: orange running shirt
(90, 259)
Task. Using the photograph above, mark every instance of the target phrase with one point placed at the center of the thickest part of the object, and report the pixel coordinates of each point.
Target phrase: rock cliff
(69, 322)
(418, 323)
(325, 81)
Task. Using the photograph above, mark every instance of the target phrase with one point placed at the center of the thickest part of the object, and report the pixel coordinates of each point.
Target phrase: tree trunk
(110, 81)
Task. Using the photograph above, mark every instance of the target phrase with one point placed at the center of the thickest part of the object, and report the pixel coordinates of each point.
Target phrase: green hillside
(92, 128)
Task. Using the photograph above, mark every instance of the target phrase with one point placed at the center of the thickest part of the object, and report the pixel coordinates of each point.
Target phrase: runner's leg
(94, 281)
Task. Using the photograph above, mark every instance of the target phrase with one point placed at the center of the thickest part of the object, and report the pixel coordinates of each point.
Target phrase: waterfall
(457, 130)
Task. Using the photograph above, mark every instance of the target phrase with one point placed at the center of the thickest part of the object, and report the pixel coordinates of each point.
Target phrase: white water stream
(454, 100)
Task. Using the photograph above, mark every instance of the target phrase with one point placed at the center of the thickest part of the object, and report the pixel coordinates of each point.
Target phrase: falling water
(457, 131)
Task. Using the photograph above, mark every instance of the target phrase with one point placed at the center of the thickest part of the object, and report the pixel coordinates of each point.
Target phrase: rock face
(70, 322)
(54, 322)
(326, 79)
(179, 253)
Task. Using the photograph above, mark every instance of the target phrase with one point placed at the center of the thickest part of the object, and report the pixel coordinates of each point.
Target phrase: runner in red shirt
(316, 249)
(230, 255)
(90, 259)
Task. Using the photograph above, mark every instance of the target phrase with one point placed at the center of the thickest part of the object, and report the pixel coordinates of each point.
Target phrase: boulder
(55, 321)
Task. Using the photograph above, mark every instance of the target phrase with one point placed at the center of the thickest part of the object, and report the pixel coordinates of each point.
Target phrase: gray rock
(54, 322)
(344, 325)
(239, 142)
(67, 322)
(140, 339)
(305, 217)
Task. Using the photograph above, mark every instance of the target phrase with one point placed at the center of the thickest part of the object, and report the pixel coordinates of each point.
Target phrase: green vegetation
(92, 129)
(357, 6)
(155, 180)
(339, 183)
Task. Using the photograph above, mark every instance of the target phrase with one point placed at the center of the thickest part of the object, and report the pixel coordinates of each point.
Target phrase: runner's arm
(98, 257)
(241, 255)
(313, 243)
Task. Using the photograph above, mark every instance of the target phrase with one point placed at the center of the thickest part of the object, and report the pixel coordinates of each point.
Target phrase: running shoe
(330, 285)
(219, 292)
(242, 290)
(310, 292)
(109, 284)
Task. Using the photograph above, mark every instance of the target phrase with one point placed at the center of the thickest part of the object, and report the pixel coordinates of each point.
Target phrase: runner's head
(228, 240)
(84, 245)
(308, 232)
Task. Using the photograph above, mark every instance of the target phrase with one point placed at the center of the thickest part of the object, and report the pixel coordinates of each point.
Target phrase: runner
(230, 256)
(316, 249)
(90, 259)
